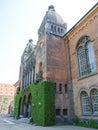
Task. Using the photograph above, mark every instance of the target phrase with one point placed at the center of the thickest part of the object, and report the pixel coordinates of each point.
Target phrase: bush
(90, 124)
(77, 120)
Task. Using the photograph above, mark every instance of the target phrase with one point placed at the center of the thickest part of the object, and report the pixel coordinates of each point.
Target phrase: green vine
(43, 103)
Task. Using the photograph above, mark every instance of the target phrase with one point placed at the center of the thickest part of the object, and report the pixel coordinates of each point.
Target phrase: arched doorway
(24, 107)
(20, 107)
(29, 105)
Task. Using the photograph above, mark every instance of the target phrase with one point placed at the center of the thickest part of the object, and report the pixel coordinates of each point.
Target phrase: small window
(66, 89)
(51, 27)
(65, 112)
(58, 29)
(57, 112)
(55, 28)
(61, 30)
(60, 87)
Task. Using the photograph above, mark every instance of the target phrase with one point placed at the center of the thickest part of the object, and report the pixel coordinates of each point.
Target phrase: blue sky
(20, 20)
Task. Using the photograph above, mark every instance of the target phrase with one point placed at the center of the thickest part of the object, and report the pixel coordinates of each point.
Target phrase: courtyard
(9, 123)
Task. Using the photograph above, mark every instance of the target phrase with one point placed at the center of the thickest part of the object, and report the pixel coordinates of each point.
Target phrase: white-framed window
(86, 59)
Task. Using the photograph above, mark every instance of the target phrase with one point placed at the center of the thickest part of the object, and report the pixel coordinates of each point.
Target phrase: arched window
(85, 103)
(85, 57)
(94, 99)
(40, 66)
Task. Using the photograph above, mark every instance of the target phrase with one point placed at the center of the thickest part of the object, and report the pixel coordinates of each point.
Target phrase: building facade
(82, 41)
(69, 59)
(7, 93)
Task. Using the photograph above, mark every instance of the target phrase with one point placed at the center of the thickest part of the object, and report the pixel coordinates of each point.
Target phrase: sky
(20, 20)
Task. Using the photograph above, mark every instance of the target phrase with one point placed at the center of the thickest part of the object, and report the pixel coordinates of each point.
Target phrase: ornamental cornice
(91, 20)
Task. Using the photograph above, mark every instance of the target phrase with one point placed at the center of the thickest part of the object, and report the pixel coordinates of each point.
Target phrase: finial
(51, 7)
(30, 40)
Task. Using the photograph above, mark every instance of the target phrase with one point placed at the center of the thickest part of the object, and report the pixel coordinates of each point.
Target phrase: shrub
(90, 124)
(77, 120)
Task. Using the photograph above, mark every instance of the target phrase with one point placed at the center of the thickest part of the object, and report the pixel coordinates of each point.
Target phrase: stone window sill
(86, 76)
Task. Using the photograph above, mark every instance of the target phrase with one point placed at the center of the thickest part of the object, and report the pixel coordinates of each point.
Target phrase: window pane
(82, 61)
(58, 112)
(91, 57)
(94, 97)
(65, 112)
(86, 57)
(60, 87)
(65, 88)
(85, 102)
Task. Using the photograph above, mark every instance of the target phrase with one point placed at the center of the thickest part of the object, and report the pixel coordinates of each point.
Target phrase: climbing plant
(43, 103)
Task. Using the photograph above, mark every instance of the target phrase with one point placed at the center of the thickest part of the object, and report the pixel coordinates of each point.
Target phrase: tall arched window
(94, 99)
(85, 103)
(40, 66)
(85, 57)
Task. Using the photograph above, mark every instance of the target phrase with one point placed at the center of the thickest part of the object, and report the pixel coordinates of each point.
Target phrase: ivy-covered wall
(16, 104)
(43, 103)
(43, 111)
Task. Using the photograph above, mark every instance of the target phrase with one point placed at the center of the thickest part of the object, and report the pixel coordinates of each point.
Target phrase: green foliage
(16, 104)
(43, 103)
(43, 111)
(89, 124)
(77, 120)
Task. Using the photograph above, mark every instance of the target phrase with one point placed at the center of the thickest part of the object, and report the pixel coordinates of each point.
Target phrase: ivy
(16, 104)
(43, 103)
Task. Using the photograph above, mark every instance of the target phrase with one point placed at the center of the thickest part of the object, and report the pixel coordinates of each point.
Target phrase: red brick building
(82, 42)
(67, 58)
(7, 93)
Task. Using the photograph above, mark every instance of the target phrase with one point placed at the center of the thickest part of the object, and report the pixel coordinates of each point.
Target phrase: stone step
(25, 120)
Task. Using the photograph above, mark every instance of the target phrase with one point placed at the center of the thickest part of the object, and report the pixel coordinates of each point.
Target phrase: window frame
(92, 106)
(84, 105)
(94, 97)
(81, 45)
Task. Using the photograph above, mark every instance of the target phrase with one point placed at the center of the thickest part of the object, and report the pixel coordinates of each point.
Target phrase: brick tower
(52, 61)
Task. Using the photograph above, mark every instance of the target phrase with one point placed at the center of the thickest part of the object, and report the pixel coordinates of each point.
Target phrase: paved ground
(8, 123)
